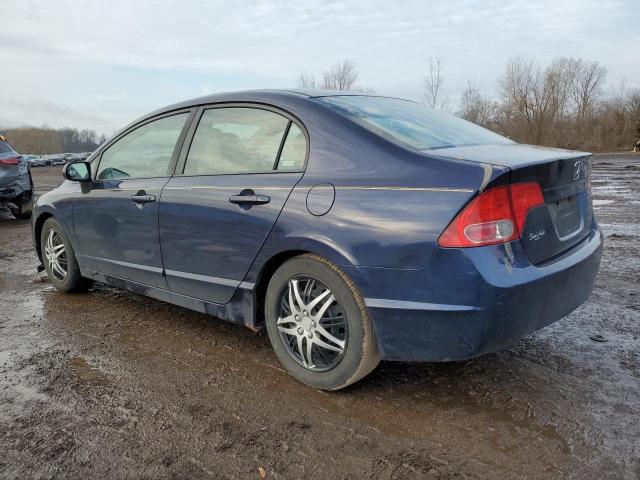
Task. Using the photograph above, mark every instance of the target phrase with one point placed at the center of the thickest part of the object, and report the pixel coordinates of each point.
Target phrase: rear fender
(277, 246)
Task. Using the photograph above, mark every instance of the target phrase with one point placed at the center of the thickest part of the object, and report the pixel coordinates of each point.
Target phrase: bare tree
(614, 122)
(586, 88)
(307, 80)
(563, 104)
(633, 106)
(433, 81)
(341, 76)
(476, 107)
(533, 99)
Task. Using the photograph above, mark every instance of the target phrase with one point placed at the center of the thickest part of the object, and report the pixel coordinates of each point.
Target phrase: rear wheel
(59, 259)
(318, 324)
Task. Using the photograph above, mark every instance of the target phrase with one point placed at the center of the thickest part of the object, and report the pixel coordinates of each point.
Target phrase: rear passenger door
(229, 188)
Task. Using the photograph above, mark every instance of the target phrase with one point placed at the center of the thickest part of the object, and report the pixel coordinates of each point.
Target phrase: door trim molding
(227, 282)
(123, 264)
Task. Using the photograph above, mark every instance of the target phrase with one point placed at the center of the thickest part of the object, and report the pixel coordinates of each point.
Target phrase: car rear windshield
(5, 148)
(410, 122)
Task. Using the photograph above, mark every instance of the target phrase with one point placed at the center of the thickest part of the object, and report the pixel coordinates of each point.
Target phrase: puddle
(87, 373)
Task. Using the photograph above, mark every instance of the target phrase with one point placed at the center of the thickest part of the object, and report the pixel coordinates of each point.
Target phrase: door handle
(250, 199)
(142, 197)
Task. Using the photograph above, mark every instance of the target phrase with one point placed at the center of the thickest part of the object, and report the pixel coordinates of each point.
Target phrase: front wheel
(60, 260)
(318, 324)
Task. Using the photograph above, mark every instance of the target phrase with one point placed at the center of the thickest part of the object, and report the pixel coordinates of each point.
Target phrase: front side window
(143, 153)
(235, 140)
(411, 123)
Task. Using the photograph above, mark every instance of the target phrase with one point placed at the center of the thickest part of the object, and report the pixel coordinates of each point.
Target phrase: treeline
(43, 140)
(564, 104)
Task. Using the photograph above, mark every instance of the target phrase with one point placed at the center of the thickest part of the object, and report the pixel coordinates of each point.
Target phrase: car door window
(235, 140)
(143, 153)
(294, 150)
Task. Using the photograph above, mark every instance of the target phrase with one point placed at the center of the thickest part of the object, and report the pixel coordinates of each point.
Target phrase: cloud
(111, 61)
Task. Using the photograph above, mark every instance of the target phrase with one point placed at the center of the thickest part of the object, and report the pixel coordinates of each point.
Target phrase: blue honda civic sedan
(354, 228)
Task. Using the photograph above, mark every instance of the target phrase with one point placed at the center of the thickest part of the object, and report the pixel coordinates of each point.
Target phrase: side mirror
(77, 172)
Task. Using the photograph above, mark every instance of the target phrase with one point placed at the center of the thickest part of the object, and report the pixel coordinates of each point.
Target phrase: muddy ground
(114, 385)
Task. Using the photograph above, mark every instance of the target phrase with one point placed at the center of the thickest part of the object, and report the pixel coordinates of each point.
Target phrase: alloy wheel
(56, 255)
(312, 324)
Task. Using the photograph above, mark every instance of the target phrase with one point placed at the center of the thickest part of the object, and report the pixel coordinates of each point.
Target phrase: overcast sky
(102, 64)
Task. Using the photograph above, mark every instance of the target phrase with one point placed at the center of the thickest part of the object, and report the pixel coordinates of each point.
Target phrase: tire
(354, 353)
(72, 281)
(24, 207)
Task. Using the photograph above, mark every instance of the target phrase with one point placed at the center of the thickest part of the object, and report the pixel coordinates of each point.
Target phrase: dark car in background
(16, 184)
(355, 228)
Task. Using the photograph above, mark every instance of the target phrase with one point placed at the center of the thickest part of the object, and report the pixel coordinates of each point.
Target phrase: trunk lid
(566, 217)
(513, 155)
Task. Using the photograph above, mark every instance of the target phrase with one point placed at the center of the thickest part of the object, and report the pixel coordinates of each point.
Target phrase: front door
(215, 216)
(116, 216)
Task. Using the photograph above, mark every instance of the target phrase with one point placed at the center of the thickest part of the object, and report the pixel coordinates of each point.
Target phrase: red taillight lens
(524, 197)
(494, 216)
(10, 161)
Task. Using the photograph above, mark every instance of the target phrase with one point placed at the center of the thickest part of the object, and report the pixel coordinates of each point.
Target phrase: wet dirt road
(113, 385)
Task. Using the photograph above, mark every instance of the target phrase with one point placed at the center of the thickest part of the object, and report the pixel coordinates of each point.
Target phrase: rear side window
(235, 140)
(294, 150)
(143, 153)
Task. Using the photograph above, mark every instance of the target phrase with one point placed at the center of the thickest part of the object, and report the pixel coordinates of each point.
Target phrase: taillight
(10, 161)
(495, 216)
(524, 197)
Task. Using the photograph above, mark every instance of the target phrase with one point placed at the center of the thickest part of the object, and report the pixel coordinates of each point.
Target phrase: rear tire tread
(370, 353)
(354, 366)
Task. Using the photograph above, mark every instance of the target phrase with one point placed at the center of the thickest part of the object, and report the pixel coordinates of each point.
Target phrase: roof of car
(278, 97)
(265, 95)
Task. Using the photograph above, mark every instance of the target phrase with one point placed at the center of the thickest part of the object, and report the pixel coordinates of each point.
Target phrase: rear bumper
(479, 300)
(9, 191)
